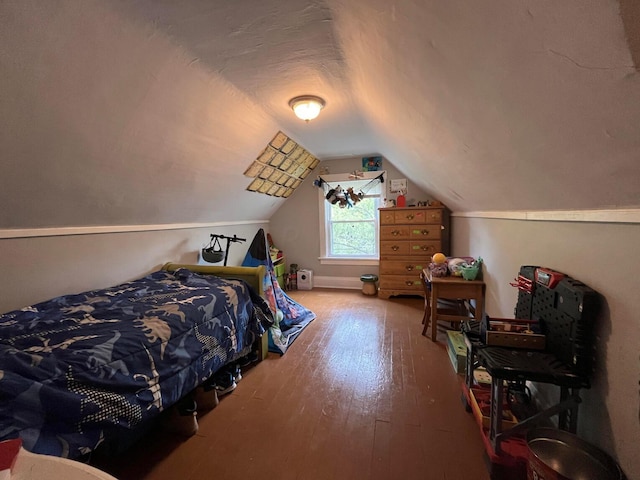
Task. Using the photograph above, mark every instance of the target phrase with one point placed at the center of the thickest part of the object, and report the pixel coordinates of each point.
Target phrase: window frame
(325, 230)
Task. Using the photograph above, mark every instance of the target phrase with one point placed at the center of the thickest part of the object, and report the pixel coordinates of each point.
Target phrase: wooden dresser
(408, 238)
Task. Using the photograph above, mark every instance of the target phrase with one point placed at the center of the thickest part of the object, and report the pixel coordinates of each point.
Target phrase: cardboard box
(457, 350)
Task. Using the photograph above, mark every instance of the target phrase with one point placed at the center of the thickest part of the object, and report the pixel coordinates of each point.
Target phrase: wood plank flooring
(361, 394)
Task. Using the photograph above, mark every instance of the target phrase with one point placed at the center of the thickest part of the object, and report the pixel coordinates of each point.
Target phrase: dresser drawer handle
(409, 268)
(395, 248)
(425, 248)
(425, 232)
(408, 283)
(410, 216)
(395, 232)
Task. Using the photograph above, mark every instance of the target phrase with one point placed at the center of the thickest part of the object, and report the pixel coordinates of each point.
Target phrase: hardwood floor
(361, 394)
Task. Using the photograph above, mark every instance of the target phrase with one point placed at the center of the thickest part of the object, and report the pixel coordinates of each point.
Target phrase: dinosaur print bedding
(81, 369)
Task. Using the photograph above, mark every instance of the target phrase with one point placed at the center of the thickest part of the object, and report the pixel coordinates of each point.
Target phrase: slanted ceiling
(149, 111)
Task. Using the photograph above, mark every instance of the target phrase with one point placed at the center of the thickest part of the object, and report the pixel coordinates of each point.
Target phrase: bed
(82, 370)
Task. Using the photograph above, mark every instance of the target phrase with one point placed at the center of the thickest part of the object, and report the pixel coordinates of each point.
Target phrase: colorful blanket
(80, 369)
(290, 317)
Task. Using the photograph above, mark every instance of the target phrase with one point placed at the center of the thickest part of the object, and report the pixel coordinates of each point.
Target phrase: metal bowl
(558, 454)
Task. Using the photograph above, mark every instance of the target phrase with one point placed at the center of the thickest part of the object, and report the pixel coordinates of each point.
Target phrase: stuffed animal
(355, 198)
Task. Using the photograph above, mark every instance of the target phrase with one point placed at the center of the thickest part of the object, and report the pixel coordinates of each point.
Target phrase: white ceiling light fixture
(307, 107)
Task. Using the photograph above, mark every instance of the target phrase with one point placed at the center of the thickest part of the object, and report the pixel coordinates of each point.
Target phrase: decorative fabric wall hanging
(281, 167)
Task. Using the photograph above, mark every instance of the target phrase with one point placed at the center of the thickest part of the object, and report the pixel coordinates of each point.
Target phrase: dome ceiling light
(307, 107)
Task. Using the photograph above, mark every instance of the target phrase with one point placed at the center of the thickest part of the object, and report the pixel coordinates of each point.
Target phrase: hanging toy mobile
(346, 198)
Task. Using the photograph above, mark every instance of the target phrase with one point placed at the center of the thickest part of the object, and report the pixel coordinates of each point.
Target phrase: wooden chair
(445, 306)
(426, 285)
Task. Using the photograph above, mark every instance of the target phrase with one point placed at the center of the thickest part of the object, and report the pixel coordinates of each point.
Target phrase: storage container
(279, 271)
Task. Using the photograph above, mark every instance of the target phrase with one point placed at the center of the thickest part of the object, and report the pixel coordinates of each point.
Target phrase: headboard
(252, 275)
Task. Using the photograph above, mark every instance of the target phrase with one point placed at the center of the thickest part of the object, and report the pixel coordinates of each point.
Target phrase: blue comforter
(80, 369)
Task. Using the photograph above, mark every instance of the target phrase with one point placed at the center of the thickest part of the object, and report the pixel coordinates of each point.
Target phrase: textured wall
(149, 112)
(491, 102)
(106, 122)
(39, 268)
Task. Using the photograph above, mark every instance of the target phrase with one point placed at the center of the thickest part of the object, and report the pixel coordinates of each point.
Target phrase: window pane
(357, 239)
(365, 209)
(353, 231)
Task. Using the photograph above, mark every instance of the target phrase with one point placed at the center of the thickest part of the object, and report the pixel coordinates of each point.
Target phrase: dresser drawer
(387, 217)
(418, 216)
(406, 232)
(392, 232)
(425, 232)
(403, 247)
(423, 247)
(395, 247)
(402, 282)
(404, 266)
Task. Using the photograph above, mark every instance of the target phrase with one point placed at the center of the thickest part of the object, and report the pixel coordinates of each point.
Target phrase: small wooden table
(453, 288)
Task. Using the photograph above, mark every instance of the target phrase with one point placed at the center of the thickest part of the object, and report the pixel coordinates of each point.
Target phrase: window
(350, 234)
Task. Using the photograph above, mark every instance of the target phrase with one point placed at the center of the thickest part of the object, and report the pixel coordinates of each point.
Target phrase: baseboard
(347, 283)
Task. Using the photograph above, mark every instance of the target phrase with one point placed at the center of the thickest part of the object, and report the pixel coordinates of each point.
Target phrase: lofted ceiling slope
(150, 110)
(484, 105)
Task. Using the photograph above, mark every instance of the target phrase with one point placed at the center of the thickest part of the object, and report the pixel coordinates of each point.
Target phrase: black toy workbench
(557, 314)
